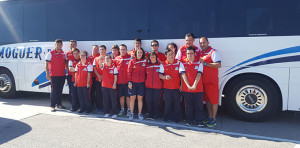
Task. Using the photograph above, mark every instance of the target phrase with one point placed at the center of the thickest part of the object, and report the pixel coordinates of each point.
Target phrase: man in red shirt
(72, 44)
(137, 44)
(211, 60)
(56, 61)
(72, 64)
(160, 56)
(90, 59)
(98, 79)
(192, 88)
(169, 72)
(121, 63)
(189, 40)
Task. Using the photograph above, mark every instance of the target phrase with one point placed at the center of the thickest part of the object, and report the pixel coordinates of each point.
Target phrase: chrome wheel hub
(251, 98)
(5, 83)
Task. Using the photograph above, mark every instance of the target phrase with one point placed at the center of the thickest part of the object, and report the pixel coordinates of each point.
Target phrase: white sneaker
(131, 116)
(114, 116)
(121, 112)
(128, 113)
(106, 115)
(141, 117)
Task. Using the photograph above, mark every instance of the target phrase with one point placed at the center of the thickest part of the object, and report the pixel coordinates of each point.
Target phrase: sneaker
(121, 112)
(206, 120)
(88, 112)
(200, 124)
(73, 110)
(212, 123)
(128, 112)
(61, 107)
(53, 109)
(131, 116)
(114, 116)
(141, 117)
(187, 124)
(106, 115)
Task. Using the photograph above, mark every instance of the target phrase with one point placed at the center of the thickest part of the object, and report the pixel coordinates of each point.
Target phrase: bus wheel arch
(7, 83)
(252, 97)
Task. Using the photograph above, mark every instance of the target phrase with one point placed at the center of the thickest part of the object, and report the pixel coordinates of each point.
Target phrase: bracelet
(205, 64)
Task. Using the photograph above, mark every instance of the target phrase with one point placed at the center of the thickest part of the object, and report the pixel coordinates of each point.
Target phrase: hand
(193, 87)
(201, 60)
(114, 86)
(168, 77)
(130, 85)
(100, 78)
(75, 84)
(88, 85)
(48, 77)
(180, 88)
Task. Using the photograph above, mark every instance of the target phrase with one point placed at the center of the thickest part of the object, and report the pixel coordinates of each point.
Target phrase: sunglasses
(155, 45)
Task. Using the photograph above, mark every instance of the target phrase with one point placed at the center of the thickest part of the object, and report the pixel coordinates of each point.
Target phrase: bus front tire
(7, 84)
(252, 98)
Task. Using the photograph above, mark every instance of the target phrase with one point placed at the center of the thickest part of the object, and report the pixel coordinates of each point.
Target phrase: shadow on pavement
(11, 129)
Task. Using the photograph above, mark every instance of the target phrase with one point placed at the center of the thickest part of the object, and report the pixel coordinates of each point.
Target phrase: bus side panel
(279, 75)
(294, 88)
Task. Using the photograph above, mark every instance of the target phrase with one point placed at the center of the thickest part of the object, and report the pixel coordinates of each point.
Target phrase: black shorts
(137, 89)
(122, 90)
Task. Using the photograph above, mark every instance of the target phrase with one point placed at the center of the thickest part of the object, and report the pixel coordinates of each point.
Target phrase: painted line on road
(181, 126)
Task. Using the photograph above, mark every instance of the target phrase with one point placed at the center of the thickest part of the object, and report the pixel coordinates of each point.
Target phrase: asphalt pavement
(26, 121)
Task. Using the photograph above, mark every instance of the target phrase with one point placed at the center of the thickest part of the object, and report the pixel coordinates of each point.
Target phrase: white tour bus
(259, 75)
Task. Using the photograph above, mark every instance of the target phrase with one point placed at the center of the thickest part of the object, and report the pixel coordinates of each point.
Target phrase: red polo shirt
(121, 62)
(73, 63)
(171, 69)
(56, 63)
(82, 71)
(181, 54)
(108, 76)
(192, 69)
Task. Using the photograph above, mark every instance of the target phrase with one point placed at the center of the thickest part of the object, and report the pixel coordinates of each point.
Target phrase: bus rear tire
(252, 98)
(7, 84)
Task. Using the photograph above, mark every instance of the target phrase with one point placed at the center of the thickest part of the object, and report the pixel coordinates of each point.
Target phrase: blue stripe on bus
(270, 54)
(295, 58)
(42, 79)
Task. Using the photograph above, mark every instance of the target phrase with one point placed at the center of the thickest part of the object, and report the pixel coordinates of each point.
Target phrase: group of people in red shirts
(116, 82)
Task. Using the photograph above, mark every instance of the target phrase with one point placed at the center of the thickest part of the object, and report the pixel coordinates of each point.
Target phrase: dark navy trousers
(153, 102)
(172, 105)
(193, 106)
(75, 98)
(84, 98)
(109, 100)
(69, 80)
(57, 85)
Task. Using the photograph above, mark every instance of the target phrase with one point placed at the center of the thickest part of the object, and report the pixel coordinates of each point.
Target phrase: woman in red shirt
(83, 81)
(109, 86)
(136, 81)
(153, 86)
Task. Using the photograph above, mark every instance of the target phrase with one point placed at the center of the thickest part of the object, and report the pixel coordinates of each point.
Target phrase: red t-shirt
(91, 60)
(191, 69)
(56, 63)
(73, 63)
(171, 69)
(82, 73)
(108, 76)
(181, 54)
(121, 63)
(211, 75)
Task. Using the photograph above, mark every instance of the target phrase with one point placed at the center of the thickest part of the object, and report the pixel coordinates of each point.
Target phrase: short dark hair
(191, 48)
(135, 53)
(174, 46)
(74, 41)
(190, 34)
(152, 53)
(167, 51)
(155, 42)
(123, 45)
(74, 49)
(58, 41)
(109, 56)
(204, 38)
(138, 40)
(115, 47)
(103, 46)
(95, 45)
(86, 53)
